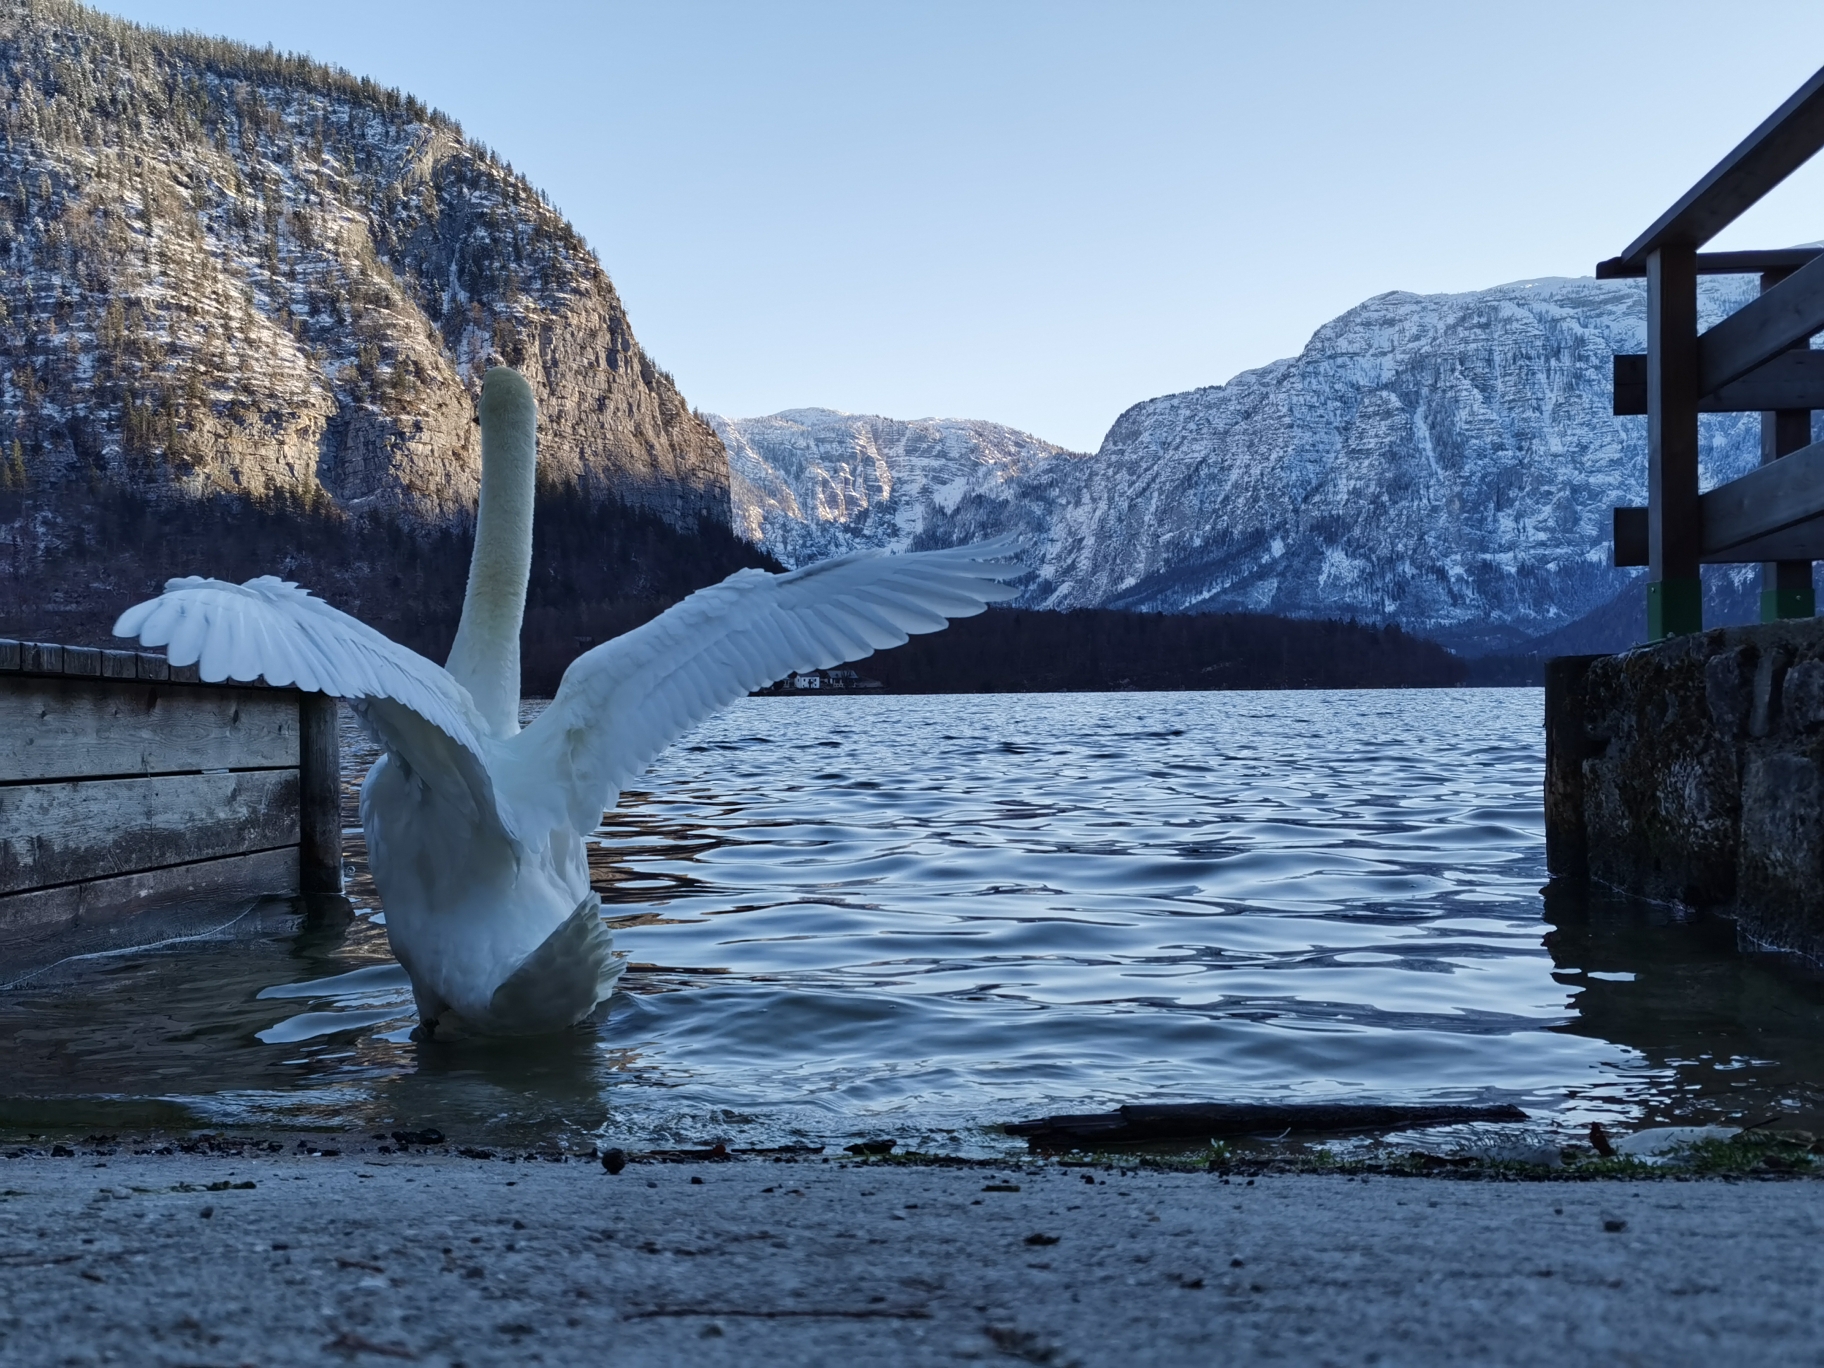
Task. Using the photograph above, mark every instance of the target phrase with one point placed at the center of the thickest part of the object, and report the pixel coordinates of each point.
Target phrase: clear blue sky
(1040, 213)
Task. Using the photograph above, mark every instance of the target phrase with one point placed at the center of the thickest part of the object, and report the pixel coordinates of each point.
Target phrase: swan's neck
(485, 658)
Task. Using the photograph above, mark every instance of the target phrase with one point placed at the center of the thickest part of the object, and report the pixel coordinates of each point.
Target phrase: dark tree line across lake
(601, 568)
(1020, 651)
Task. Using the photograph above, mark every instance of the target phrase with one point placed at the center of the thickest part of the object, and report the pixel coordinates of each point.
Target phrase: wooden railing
(128, 786)
(1757, 359)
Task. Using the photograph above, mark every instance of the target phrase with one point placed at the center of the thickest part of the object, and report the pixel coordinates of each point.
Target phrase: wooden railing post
(1786, 589)
(1675, 594)
(319, 796)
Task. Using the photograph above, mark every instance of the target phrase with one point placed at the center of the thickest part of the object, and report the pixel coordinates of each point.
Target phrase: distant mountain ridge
(1444, 462)
(815, 482)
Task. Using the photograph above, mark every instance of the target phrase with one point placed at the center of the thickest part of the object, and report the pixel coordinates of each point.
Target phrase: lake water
(919, 916)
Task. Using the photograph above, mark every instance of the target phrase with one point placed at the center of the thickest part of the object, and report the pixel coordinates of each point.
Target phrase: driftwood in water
(1144, 1121)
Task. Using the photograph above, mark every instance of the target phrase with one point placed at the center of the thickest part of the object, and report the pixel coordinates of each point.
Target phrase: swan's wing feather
(622, 703)
(270, 628)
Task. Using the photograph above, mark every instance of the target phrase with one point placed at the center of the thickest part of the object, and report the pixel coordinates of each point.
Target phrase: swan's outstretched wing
(620, 704)
(269, 628)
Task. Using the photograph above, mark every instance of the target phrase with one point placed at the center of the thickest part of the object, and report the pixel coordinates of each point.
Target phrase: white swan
(476, 829)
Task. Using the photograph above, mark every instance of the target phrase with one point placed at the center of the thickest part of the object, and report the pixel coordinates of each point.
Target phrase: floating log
(1141, 1122)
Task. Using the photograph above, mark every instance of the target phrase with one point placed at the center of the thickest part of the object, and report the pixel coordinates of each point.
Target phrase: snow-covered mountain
(1447, 462)
(815, 482)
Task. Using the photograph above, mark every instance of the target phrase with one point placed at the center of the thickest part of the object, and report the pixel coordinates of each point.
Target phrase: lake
(914, 917)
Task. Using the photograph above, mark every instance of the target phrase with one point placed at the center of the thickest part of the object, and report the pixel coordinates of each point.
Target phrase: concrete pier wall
(1692, 772)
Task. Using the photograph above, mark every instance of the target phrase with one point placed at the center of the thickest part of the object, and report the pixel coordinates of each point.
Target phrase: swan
(476, 830)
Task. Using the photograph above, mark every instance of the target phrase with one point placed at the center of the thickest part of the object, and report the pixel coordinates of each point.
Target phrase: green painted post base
(1675, 607)
(1779, 604)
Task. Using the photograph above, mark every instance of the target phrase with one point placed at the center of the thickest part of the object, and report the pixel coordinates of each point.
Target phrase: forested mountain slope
(235, 278)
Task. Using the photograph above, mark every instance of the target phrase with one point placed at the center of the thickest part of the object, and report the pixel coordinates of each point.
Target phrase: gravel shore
(277, 1259)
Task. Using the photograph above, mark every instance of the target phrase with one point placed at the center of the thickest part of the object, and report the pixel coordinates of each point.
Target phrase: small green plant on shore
(1758, 1151)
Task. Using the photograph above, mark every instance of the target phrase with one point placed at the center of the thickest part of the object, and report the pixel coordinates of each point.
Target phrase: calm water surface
(919, 916)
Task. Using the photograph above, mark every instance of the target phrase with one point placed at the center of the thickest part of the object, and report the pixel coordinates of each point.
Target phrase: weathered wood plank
(44, 657)
(1674, 528)
(41, 657)
(68, 832)
(1567, 746)
(1800, 541)
(132, 909)
(1785, 141)
(1719, 263)
(1630, 536)
(1791, 380)
(1762, 328)
(62, 728)
(36, 914)
(1786, 588)
(319, 795)
(1764, 501)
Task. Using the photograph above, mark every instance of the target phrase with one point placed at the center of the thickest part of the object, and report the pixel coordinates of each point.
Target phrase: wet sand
(433, 1258)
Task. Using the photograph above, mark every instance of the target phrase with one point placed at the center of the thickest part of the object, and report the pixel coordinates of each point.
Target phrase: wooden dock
(128, 787)
(1691, 772)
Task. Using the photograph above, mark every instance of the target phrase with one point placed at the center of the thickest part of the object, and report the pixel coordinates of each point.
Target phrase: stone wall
(1692, 772)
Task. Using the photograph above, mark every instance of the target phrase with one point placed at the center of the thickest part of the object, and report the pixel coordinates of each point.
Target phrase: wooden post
(1675, 592)
(1786, 589)
(319, 796)
(1567, 852)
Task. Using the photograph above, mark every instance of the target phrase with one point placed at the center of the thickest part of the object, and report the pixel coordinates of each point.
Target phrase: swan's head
(507, 406)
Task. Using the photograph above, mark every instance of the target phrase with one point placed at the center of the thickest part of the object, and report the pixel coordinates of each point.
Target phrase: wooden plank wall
(127, 786)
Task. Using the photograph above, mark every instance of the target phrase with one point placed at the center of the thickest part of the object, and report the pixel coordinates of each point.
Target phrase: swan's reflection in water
(913, 915)
(536, 1089)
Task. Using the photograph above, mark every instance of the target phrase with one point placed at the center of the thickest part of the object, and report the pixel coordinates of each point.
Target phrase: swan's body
(476, 829)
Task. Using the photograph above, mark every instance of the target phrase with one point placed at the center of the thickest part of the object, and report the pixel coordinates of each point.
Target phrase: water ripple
(848, 915)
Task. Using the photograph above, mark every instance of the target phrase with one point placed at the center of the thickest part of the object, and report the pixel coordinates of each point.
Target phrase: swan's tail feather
(560, 982)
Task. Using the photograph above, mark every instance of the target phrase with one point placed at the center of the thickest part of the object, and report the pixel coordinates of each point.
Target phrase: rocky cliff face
(1446, 462)
(233, 272)
(811, 483)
